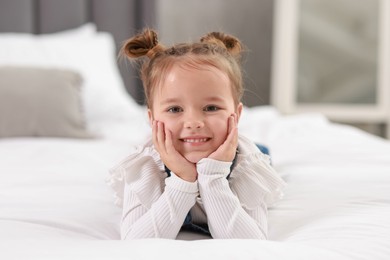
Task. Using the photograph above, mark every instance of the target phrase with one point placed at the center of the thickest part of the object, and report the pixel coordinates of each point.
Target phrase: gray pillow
(39, 102)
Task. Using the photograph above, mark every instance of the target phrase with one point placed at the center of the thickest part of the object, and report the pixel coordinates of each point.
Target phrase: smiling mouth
(195, 140)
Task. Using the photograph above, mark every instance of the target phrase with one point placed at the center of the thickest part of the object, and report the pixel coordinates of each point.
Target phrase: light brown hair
(215, 49)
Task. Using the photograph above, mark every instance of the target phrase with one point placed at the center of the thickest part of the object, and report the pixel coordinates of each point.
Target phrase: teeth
(195, 140)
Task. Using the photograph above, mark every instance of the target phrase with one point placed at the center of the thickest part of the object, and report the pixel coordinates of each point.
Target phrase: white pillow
(85, 30)
(94, 57)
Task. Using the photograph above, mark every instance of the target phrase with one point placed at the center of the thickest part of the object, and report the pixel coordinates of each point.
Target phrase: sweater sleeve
(164, 217)
(226, 216)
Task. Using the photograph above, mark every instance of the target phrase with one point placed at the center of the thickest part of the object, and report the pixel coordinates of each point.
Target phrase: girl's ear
(150, 115)
(238, 111)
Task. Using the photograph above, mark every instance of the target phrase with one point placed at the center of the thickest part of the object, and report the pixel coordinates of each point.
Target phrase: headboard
(122, 18)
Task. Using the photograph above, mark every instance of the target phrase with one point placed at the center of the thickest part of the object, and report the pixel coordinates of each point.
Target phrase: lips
(195, 140)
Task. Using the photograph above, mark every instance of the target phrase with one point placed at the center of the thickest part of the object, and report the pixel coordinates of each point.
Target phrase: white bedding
(55, 202)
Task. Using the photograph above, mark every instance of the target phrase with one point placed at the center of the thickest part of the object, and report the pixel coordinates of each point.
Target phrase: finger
(154, 133)
(232, 122)
(232, 137)
(168, 141)
(161, 136)
(229, 124)
(235, 116)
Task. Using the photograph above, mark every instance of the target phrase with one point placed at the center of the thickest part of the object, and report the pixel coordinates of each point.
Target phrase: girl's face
(194, 105)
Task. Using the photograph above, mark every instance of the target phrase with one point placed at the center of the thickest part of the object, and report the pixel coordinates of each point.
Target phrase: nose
(193, 120)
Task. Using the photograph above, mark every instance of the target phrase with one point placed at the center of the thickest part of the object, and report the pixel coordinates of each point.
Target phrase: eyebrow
(177, 100)
(215, 98)
(169, 101)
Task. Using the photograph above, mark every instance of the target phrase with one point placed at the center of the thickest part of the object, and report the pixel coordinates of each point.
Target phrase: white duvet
(55, 203)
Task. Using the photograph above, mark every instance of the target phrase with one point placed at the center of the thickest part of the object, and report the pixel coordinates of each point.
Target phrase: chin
(194, 158)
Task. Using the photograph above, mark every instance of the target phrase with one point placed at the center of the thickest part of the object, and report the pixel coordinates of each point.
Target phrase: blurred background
(176, 21)
(337, 40)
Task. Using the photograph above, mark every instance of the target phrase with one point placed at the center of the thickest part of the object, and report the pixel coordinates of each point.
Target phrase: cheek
(219, 125)
(171, 126)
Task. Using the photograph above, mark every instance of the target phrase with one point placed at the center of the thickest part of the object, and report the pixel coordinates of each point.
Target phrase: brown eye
(211, 108)
(175, 109)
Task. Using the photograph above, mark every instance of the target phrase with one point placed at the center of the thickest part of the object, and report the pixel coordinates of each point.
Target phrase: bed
(55, 196)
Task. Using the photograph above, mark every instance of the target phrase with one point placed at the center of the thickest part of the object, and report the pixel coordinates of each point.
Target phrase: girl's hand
(162, 140)
(227, 150)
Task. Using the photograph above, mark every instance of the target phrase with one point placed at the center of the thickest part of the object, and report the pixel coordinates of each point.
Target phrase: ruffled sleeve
(136, 170)
(253, 178)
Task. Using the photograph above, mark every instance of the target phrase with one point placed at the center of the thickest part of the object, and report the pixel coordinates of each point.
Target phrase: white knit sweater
(155, 206)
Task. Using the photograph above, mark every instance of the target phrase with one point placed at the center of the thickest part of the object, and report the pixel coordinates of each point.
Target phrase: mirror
(332, 57)
(337, 47)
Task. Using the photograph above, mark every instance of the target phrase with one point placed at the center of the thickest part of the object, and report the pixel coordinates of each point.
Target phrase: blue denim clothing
(264, 149)
(188, 225)
(197, 228)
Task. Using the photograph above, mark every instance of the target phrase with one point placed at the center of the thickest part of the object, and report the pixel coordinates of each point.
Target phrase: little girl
(196, 173)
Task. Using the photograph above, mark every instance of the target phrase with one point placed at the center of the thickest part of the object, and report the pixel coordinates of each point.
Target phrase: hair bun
(231, 43)
(145, 43)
